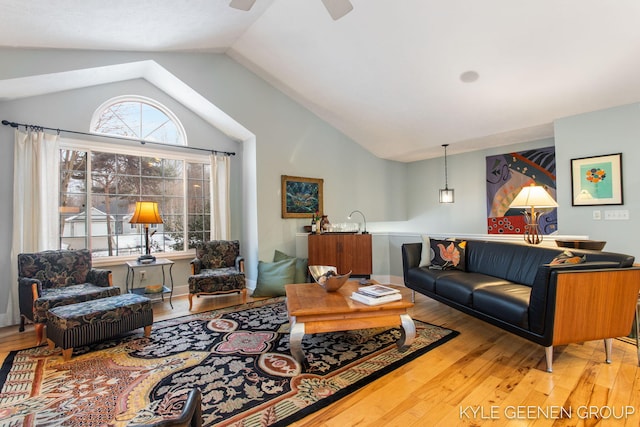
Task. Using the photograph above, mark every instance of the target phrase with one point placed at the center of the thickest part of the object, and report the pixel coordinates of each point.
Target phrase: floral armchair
(217, 268)
(58, 277)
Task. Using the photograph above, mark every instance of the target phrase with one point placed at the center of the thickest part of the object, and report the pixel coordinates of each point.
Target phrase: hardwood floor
(482, 377)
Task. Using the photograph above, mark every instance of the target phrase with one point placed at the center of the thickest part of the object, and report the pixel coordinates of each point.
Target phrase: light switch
(616, 215)
(597, 215)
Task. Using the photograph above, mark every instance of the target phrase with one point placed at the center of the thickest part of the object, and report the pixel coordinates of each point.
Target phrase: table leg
(129, 270)
(171, 278)
(408, 332)
(295, 341)
(638, 329)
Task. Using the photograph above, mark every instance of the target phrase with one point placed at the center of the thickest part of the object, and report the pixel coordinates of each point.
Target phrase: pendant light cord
(446, 175)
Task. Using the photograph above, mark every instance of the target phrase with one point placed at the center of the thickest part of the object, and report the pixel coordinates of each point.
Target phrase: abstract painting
(507, 174)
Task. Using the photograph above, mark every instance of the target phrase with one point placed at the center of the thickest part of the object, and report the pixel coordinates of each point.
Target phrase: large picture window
(99, 189)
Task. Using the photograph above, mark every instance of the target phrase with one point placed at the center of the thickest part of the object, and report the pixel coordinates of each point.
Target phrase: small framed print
(597, 180)
(301, 197)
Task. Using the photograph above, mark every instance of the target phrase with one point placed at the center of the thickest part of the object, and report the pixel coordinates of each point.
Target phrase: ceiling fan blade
(242, 4)
(338, 8)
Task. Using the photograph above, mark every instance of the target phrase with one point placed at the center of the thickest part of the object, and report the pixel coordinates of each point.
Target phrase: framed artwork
(301, 197)
(506, 175)
(596, 180)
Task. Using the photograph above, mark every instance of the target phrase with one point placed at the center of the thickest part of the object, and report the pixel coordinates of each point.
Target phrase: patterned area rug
(238, 357)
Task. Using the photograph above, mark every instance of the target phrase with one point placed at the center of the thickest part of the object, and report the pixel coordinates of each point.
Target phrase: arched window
(138, 118)
(101, 182)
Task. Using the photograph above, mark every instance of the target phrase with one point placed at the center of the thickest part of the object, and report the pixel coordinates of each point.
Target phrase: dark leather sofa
(514, 287)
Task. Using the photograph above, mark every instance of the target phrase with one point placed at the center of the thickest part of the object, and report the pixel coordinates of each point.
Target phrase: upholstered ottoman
(87, 322)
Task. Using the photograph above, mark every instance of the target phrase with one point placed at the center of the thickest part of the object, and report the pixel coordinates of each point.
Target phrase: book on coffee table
(377, 290)
(370, 300)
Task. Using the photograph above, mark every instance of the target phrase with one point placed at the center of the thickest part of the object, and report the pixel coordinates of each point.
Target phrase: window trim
(167, 153)
(145, 100)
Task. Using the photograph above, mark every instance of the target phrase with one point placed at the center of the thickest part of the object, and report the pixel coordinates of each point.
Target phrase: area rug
(238, 357)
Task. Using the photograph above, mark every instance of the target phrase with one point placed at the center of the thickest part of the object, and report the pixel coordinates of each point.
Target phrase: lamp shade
(533, 196)
(146, 213)
(446, 195)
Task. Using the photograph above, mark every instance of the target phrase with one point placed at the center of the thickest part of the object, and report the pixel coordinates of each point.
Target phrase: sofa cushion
(508, 302)
(424, 279)
(514, 262)
(459, 286)
(447, 254)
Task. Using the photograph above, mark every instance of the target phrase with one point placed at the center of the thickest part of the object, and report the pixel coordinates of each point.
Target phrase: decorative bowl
(327, 277)
(153, 289)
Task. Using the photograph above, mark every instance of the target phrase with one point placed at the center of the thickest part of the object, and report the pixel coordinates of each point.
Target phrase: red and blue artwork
(507, 174)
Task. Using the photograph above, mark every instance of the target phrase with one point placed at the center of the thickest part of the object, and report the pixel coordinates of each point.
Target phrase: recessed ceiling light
(469, 76)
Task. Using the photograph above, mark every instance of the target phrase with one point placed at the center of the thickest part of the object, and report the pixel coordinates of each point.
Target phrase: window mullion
(88, 201)
(185, 206)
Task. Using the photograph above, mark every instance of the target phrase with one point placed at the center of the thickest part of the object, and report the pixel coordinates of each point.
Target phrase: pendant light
(446, 193)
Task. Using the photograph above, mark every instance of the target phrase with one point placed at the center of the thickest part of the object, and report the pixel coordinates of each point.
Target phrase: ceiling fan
(336, 8)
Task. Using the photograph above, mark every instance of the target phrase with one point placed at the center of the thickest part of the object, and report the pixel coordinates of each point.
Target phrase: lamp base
(531, 234)
(146, 259)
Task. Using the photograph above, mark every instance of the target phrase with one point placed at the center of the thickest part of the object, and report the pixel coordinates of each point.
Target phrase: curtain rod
(36, 127)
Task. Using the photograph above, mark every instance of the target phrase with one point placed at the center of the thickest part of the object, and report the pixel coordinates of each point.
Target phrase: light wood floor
(496, 374)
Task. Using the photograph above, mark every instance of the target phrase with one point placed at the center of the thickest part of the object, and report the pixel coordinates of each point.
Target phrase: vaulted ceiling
(399, 77)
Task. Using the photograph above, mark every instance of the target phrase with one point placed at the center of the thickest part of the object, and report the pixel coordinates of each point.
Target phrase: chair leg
(190, 301)
(66, 354)
(22, 321)
(39, 332)
(608, 344)
(244, 295)
(548, 351)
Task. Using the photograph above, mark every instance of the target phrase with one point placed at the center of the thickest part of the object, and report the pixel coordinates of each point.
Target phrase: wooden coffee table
(312, 310)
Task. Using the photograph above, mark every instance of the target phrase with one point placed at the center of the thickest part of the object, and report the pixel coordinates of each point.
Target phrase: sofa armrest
(240, 264)
(196, 266)
(28, 291)
(189, 416)
(592, 304)
(411, 253)
(100, 277)
(540, 290)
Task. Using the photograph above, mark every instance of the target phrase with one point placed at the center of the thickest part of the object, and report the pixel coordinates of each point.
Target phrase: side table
(134, 265)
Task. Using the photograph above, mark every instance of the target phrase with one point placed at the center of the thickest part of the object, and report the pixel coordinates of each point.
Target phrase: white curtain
(35, 203)
(220, 211)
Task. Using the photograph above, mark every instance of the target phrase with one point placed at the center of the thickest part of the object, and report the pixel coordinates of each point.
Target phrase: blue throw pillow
(272, 276)
(301, 265)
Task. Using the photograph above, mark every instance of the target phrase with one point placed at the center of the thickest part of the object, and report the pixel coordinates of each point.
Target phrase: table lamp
(532, 196)
(146, 213)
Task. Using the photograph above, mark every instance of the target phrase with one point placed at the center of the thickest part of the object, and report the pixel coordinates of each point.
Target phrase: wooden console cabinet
(348, 252)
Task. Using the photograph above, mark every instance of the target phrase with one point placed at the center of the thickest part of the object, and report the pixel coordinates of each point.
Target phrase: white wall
(614, 130)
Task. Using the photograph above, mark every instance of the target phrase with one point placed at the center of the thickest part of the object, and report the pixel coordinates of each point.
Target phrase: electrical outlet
(143, 275)
(597, 215)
